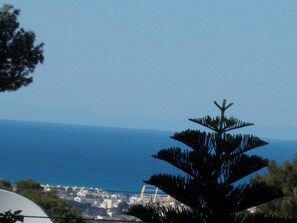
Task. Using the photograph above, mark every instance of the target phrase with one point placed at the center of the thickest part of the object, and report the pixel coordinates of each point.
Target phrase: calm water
(108, 158)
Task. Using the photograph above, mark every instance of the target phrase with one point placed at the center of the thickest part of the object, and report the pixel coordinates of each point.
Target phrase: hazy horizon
(173, 126)
(154, 64)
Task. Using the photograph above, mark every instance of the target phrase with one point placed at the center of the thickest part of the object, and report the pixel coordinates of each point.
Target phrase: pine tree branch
(194, 163)
(240, 167)
(197, 140)
(146, 213)
(184, 189)
(207, 122)
(254, 194)
(235, 145)
(179, 159)
(162, 214)
(221, 126)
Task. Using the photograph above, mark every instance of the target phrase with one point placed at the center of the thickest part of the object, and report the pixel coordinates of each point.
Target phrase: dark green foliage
(55, 207)
(27, 185)
(18, 54)
(284, 176)
(5, 185)
(210, 191)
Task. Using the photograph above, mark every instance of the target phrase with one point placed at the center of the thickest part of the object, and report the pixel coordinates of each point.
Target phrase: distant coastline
(104, 157)
(96, 203)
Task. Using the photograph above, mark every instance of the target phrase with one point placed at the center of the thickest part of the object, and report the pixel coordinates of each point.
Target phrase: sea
(114, 159)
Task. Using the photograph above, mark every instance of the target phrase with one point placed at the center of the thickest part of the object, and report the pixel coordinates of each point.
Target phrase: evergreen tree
(18, 59)
(18, 54)
(210, 190)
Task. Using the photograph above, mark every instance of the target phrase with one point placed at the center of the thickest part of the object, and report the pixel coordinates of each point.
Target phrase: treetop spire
(223, 107)
(214, 165)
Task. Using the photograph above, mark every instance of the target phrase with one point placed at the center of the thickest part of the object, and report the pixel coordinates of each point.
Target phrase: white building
(77, 199)
(107, 203)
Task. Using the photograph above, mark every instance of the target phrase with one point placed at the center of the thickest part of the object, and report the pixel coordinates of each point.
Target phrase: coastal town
(99, 204)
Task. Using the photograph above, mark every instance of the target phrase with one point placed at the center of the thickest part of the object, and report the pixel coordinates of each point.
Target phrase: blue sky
(154, 64)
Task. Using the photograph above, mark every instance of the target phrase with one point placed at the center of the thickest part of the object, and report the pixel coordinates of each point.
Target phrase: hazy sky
(154, 64)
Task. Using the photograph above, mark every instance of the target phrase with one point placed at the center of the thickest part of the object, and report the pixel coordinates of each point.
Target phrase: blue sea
(107, 158)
